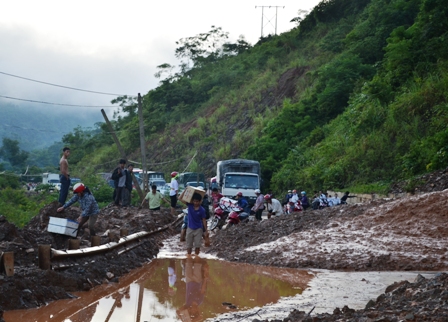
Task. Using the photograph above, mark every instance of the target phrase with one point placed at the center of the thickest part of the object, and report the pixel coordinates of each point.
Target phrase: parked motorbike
(237, 216)
(220, 213)
(293, 207)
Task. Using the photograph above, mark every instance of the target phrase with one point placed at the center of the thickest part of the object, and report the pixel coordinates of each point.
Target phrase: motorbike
(293, 207)
(237, 216)
(220, 213)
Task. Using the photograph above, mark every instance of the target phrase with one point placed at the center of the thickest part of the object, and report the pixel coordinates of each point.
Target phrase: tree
(206, 45)
(11, 152)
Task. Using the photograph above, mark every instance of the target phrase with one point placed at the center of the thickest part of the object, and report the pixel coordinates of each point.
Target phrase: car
(165, 189)
(74, 181)
(54, 185)
(195, 184)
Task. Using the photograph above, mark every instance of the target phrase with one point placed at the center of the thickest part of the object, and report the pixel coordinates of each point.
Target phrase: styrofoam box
(63, 226)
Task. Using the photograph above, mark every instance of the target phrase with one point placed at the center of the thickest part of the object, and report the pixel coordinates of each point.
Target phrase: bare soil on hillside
(409, 233)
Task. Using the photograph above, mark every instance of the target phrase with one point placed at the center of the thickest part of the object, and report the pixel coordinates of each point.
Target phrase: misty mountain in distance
(38, 127)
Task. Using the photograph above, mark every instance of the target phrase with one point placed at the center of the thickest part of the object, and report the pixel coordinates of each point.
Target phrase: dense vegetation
(354, 96)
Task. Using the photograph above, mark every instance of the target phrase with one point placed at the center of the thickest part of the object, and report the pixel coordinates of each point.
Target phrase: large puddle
(175, 288)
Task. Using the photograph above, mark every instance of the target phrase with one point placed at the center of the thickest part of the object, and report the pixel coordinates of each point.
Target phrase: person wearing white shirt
(174, 189)
(274, 206)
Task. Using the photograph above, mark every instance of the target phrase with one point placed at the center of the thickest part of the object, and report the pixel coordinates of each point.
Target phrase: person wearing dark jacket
(126, 193)
(304, 200)
(242, 202)
(345, 196)
(119, 182)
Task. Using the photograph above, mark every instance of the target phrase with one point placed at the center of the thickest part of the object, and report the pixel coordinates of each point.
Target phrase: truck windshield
(241, 181)
(195, 184)
(159, 183)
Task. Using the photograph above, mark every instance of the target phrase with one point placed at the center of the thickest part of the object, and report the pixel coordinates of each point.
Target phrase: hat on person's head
(257, 191)
(122, 161)
(289, 191)
(79, 187)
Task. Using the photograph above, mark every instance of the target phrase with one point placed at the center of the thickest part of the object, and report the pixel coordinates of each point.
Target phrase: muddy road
(405, 234)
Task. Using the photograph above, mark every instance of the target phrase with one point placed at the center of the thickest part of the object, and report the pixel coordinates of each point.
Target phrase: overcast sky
(114, 46)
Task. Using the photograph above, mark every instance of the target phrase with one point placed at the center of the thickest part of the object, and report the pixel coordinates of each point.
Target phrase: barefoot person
(64, 176)
(90, 209)
(197, 224)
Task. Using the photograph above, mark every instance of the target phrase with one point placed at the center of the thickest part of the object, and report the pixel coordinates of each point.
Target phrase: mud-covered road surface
(405, 234)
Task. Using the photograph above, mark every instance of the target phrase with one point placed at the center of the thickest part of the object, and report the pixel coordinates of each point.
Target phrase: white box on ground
(63, 226)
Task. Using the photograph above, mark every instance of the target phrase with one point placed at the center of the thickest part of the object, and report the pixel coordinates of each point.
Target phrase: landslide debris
(32, 287)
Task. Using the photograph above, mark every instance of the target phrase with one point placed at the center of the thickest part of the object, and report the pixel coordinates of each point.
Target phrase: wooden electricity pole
(122, 153)
(142, 143)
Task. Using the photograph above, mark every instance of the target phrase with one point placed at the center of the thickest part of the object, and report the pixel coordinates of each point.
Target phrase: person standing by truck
(64, 176)
(258, 208)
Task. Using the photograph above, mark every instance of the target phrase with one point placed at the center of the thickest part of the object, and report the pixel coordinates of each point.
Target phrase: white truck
(51, 179)
(237, 175)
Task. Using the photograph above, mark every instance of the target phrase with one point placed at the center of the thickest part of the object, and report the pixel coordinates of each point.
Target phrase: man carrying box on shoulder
(197, 224)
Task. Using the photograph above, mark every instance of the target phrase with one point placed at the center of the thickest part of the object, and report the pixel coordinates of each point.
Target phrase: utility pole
(142, 143)
(269, 20)
(122, 153)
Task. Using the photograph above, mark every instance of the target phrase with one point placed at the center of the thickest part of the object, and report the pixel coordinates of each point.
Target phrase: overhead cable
(49, 103)
(68, 87)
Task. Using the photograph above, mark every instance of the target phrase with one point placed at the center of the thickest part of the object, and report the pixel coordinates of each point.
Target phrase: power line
(68, 87)
(49, 103)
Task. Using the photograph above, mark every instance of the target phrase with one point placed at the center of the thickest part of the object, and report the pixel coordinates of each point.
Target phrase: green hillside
(354, 96)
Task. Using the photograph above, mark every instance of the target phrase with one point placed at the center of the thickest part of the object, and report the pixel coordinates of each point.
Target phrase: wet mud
(406, 234)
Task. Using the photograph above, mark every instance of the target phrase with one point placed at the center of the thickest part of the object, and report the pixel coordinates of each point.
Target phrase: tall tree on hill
(11, 152)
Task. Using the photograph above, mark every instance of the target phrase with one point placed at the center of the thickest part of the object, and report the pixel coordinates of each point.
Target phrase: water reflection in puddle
(175, 290)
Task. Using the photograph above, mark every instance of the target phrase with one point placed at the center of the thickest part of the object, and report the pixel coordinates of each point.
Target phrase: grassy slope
(364, 106)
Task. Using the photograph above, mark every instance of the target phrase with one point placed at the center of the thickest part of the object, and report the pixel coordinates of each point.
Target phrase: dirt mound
(423, 300)
(395, 234)
(409, 233)
(31, 286)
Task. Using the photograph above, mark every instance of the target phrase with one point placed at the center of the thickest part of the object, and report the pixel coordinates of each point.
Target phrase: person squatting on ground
(242, 202)
(64, 176)
(304, 201)
(154, 197)
(127, 191)
(345, 196)
(197, 224)
(273, 206)
(119, 177)
(258, 208)
(89, 206)
(287, 197)
(174, 189)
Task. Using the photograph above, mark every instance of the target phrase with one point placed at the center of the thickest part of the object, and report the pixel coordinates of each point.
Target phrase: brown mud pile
(33, 287)
(384, 235)
(409, 233)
